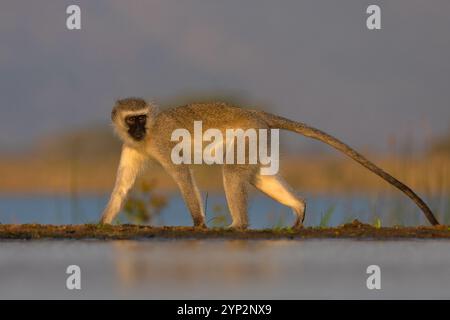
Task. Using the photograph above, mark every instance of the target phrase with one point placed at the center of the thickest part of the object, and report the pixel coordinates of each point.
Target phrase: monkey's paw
(297, 226)
(105, 220)
(200, 226)
(237, 227)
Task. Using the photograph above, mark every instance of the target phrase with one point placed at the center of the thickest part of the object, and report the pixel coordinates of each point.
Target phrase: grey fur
(158, 145)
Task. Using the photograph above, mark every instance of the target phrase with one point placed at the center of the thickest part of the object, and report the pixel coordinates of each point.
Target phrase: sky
(314, 61)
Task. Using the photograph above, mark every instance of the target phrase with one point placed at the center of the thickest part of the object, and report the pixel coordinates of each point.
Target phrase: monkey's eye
(142, 118)
(130, 120)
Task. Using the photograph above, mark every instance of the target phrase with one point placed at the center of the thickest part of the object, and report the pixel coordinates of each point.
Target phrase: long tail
(303, 129)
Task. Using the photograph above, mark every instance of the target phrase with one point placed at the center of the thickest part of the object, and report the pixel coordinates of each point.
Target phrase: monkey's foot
(105, 220)
(298, 224)
(239, 227)
(200, 226)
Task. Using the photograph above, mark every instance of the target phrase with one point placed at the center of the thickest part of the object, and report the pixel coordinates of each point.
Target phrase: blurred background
(384, 92)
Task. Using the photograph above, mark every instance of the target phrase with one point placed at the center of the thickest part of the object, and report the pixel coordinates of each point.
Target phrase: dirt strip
(354, 230)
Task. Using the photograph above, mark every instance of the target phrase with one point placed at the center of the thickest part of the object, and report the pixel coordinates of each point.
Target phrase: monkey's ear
(113, 114)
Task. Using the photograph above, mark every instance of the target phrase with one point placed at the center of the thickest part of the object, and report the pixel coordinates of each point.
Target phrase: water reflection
(194, 261)
(183, 269)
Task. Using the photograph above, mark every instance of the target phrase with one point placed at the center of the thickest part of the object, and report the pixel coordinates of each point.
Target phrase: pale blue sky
(313, 61)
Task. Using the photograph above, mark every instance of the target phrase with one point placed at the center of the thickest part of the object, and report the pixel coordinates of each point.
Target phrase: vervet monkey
(146, 133)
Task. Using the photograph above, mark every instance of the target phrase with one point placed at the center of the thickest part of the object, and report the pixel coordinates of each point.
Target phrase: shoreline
(354, 230)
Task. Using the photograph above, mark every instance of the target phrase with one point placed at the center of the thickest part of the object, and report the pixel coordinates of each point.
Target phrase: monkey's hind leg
(235, 181)
(277, 188)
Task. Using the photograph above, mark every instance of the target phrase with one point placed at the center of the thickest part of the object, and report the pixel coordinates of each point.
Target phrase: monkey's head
(130, 119)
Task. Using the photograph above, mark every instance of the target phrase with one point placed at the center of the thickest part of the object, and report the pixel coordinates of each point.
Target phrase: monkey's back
(215, 115)
(218, 115)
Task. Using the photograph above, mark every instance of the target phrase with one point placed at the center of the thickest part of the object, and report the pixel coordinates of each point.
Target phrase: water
(263, 211)
(210, 269)
(188, 269)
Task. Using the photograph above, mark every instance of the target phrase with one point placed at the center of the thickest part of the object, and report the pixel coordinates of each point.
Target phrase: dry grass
(428, 175)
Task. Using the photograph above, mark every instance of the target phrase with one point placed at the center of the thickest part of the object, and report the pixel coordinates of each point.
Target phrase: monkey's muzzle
(137, 133)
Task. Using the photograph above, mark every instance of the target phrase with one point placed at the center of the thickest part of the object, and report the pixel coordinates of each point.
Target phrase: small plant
(290, 230)
(446, 215)
(220, 219)
(143, 204)
(279, 225)
(377, 223)
(326, 217)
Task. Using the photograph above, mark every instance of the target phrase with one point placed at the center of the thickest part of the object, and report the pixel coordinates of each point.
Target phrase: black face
(136, 126)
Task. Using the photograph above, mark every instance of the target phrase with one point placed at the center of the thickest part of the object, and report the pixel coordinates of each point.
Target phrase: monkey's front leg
(130, 164)
(191, 195)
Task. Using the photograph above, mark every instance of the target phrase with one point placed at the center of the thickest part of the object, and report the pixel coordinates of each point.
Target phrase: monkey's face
(136, 126)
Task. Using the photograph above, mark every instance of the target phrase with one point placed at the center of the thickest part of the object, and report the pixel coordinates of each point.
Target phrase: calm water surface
(189, 269)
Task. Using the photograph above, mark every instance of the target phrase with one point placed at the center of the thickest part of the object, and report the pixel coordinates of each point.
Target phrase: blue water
(263, 211)
(222, 269)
